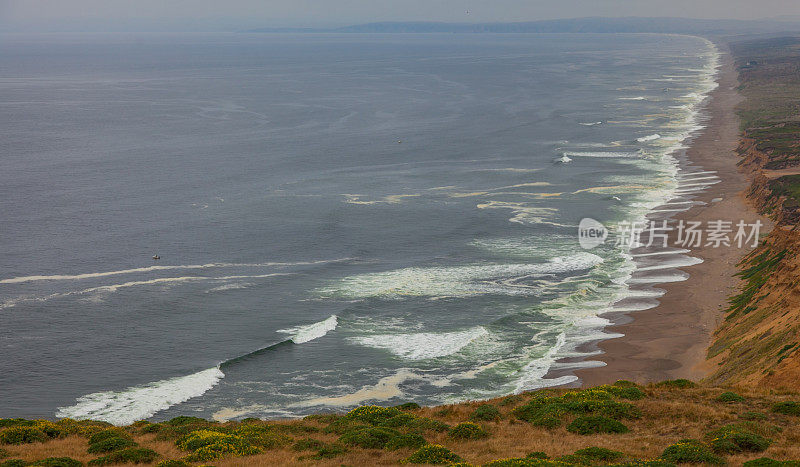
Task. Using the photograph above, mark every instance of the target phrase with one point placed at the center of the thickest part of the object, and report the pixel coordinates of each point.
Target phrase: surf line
(143, 401)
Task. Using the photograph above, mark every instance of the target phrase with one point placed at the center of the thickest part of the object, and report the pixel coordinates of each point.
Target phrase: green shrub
(787, 408)
(197, 439)
(408, 440)
(57, 462)
(547, 411)
(624, 383)
(109, 445)
(510, 400)
(307, 445)
(763, 462)
(537, 455)
(677, 383)
(50, 429)
(690, 451)
(369, 438)
(220, 449)
(330, 451)
(13, 463)
(599, 454)
(526, 462)
(343, 425)
(767, 462)
(407, 406)
(732, 439)
(372, 414)
(467, 430)
(624, 392)
(485, 413)
(729, 397)
(433, 454)
(588, 425)
(173, 463)
(127, 456)
(4, 453)
(9, 422)
(22, 435)
(108, 434)
(261, 436)
(184, 420)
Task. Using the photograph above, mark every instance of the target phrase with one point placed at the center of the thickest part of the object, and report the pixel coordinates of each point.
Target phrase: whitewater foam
(303, 334)
(423, 345)
(456, 281)
(141, 402)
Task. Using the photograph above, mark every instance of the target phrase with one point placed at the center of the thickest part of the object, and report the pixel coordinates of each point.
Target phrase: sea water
(341, 219)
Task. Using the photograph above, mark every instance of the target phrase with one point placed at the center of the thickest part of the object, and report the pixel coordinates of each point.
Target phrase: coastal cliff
(758, 340)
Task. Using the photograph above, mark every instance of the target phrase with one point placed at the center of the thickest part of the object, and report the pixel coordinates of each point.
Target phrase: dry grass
(668, 415)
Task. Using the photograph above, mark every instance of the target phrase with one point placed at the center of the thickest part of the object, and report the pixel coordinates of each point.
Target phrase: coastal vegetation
(623, 424)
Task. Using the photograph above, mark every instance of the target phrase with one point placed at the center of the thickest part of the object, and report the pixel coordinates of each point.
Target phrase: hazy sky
(235, 14)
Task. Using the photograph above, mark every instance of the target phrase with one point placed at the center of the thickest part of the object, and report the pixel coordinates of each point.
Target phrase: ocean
(341, 219)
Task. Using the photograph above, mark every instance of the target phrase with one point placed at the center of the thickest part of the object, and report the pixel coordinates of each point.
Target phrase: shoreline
(670, 340)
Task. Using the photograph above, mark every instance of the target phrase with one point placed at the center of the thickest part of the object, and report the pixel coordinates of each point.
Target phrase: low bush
(197, 439)
(677, 383)
(110, 445)
(407, 406)
(108, 434)
(369, 438)
(22, 435)
(4, 454)
(329, 451)
(261, 436)
(732, 439)
(787, 408)
(57, 462)
(599, 454)
(13, 463)
(624, 391)
(307, 445)
(220, 449)
(173, 463)
(485, 413)
(690, 451)
(467, 430)
(588, 425)
(9, 422)
(433, 454)
(372, 414)
(408, 440)
(127, 456)
(537, 455)
(729, 397)
(184, 420)
(767, 462)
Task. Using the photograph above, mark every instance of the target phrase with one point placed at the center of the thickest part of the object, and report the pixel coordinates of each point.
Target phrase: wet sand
(670, 340)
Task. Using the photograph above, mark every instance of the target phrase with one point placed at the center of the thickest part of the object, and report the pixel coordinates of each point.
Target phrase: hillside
(622, 424)
(758, 341)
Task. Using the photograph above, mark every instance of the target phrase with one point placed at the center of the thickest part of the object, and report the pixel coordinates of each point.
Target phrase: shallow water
(340, 218)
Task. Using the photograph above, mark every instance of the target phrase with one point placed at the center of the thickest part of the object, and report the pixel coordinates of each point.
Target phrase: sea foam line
(92, 275)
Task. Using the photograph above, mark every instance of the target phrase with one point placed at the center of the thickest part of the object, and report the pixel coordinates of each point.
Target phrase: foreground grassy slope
(624, 424)
(758, 341)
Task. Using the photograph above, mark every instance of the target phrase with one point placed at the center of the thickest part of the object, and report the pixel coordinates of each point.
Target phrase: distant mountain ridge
(574, 25)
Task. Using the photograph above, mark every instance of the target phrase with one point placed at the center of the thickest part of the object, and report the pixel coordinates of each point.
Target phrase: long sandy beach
(670, 340)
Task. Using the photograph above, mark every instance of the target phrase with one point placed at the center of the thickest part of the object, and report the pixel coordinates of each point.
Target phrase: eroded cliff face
(757, 343)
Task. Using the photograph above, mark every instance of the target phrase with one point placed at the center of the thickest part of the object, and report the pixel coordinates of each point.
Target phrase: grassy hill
(663, 424)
